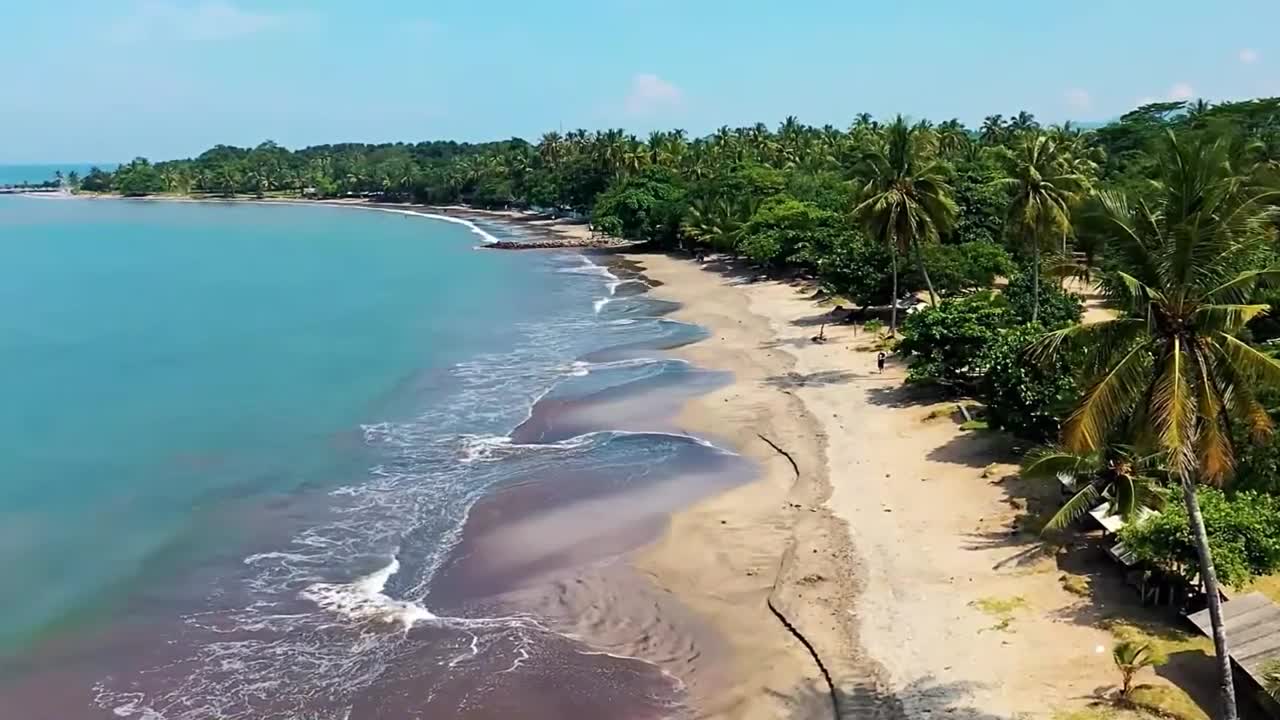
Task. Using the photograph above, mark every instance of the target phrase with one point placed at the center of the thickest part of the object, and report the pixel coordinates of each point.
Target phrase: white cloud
(1078, 99)
(205, 20)
(1248, 56)
(650, 93)
(1181, 91)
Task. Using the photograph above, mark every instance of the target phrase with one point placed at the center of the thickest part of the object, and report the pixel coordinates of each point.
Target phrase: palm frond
(1050, 462)
(1172, 405)
(1228, 319)
(1079, 504)
(1239, 288)
(1247, 360)
(1107, 401)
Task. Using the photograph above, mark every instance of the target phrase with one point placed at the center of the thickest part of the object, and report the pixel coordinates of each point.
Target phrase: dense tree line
(1171, 211)
(825, 200)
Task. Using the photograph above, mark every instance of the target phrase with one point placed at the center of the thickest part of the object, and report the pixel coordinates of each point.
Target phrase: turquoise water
(158, 359)
(34, 174)
(270, 461)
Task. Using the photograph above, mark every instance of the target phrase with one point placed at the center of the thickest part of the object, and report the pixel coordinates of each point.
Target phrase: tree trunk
(1210, 579)
(893, 298)
(933, 300)
(1035, 279)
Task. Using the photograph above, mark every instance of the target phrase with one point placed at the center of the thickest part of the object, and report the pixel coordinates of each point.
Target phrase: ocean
(280, 461)
(36, 174)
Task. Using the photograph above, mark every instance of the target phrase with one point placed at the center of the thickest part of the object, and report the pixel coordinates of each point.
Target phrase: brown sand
(883, 552)
(896, 542)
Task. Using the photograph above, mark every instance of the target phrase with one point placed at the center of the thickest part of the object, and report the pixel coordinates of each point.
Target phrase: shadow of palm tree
(901, 396)
(976, 449)
(821, 377)
(868, 701)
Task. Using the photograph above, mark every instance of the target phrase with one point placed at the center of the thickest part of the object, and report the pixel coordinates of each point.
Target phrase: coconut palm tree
(1172, 371)
(952, 137)
(1025, 122)
(993, 130)
(1044, 187)
(1117, 472)
(906, 200)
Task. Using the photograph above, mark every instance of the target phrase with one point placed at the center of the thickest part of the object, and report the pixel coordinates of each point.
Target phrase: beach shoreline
(909, 551)
(855, 576)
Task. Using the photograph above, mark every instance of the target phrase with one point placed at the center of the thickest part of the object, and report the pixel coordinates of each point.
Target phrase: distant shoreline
(554, 233)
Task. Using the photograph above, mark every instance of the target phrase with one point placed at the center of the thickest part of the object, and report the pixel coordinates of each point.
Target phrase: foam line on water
(581, 368)
(485, 236)
(364, 599)
(490, 447)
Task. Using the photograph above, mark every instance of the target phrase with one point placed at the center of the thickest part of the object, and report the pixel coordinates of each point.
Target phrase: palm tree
(993, 131)
(1130, 657)
(1044, 188)
(1118, 473)
(906, 198)
(952, 137)
(1172, 372)
(1025, 122)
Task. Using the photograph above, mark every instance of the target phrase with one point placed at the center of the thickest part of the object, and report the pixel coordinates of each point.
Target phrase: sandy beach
(885, 564)
(895, 547)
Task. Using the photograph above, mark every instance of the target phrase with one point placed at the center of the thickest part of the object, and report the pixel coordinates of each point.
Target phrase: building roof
(1252, 623)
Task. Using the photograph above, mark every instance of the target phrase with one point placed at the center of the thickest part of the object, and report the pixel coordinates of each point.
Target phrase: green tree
(647, 205)
(1025, 398)
(855, 269)
(968, 266)
(1173, 372)
(949, 343)
(1043, 188)
(1056, 307)
(138, 178)
(1243, 532)
(786, 229)
(906, 198)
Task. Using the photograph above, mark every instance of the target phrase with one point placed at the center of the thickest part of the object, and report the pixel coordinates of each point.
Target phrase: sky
(107, 80)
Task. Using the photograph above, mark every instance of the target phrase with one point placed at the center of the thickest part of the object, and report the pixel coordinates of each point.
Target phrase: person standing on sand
(880, 362)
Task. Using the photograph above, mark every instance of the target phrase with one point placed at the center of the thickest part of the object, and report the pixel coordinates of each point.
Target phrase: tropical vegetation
(1170, 211)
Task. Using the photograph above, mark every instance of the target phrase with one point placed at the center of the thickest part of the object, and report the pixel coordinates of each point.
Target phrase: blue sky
(104, 80)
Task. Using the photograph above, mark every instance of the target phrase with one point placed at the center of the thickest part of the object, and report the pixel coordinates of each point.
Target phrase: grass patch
(1163, 640)
(1268, 585)
(937, 413)
(1002, 609)
(1100, 712)
(1167, 701)
(1077, 585)
(974, 425)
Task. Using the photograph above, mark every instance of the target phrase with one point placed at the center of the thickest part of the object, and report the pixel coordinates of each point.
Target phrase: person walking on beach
(880, 361)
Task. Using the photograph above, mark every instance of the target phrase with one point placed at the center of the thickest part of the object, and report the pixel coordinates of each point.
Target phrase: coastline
(870, 560)
(766, 563)
(908, 551)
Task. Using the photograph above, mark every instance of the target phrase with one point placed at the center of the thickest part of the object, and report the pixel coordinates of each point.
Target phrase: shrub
(1130, 657)
(786, 229)
(958, 268)
(643, 207)
(1057, 306)
(949, 344)
(1244, 536)
(1024, 397)
(856, 269)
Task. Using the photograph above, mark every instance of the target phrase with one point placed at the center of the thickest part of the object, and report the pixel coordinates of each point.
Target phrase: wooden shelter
(1252, 623)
